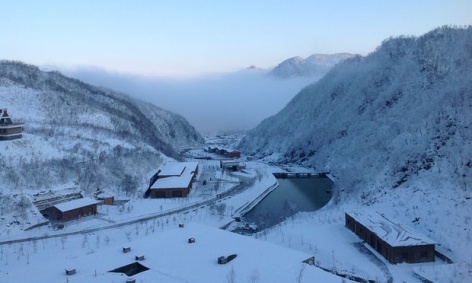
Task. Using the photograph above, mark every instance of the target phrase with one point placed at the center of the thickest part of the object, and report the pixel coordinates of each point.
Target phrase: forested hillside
(394, 128)
(404, 109)
(80, 136)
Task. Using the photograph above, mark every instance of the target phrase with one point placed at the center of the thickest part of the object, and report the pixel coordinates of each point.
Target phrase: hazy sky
(174, 38)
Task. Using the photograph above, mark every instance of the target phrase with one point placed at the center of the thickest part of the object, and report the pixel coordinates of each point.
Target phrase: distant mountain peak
(313, 65)
(406, 97)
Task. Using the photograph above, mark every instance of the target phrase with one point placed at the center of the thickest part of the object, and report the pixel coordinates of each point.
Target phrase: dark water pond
(293, 195)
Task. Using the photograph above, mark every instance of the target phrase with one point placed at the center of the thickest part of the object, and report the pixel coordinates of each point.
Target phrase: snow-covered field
(167, 253)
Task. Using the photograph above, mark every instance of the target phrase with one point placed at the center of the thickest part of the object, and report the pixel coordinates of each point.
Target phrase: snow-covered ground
(273, 255)
(167, 253)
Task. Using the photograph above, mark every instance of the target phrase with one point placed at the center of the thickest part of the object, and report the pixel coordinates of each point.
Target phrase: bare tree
(300, 274)
(231, 276)
(255, 276)
(221, 209)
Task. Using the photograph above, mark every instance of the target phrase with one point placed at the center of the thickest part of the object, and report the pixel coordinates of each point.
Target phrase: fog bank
(213, 103)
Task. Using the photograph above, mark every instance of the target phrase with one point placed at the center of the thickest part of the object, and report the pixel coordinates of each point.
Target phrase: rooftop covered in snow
(76, 203)
(394, 234)
(174, 182)
(177, 168)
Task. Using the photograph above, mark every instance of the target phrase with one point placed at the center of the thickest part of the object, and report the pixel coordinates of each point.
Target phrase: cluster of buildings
(228, 153)
(172, 180)
(8, 129)
(229, 163)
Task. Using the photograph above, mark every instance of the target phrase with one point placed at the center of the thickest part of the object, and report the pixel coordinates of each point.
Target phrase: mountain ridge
(32, 77)
(394, 131)
(80, 136)
(312, 66)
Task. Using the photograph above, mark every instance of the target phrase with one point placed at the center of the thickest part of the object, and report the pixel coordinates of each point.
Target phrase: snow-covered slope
(78, 135)
(394, 128)
(313, 66)
(67, 101)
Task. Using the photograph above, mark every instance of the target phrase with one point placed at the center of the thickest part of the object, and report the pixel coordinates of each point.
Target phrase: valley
(213, 204)
(96, 185)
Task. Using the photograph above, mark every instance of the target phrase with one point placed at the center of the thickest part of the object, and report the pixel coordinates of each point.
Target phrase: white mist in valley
(213, 103)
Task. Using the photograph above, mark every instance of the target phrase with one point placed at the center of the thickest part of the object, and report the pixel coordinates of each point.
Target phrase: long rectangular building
(393, 241)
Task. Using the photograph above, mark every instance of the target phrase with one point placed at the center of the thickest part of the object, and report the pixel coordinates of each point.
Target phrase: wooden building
(174, 180)
(106, 198)
(233, 154)
(8, 129)
(393, 241)
(74, 209)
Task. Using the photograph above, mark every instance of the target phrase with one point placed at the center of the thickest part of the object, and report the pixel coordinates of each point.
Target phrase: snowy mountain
(394, 128)
(78, 135)
(313, 66)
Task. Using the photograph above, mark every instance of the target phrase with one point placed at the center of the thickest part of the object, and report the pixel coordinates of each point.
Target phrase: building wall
(170, 193)
(13, 137)
(412, 254)
(10, 133)
(16, 130)
(107, 200)
(74, 213)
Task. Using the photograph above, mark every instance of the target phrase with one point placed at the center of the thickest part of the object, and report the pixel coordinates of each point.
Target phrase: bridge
(288, 175)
